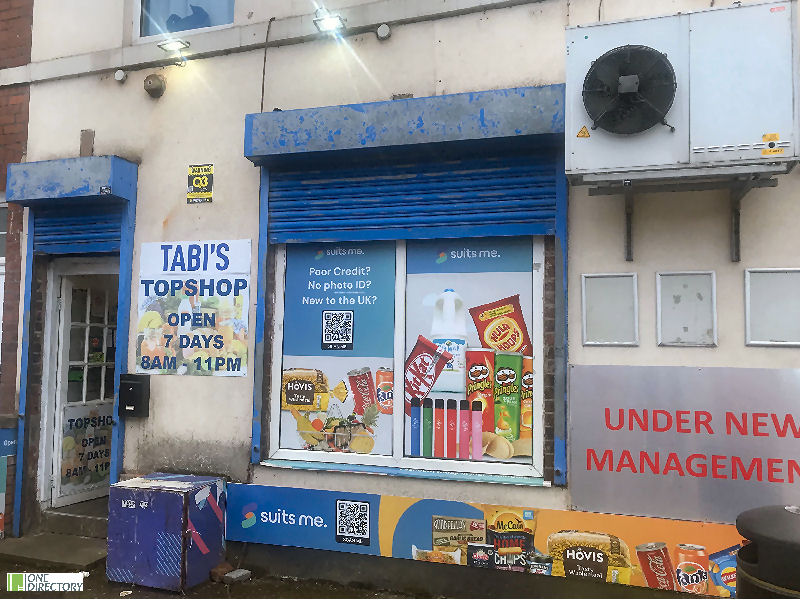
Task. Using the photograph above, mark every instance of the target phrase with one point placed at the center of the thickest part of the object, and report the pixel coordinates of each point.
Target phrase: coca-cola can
(656, 565)
(363, 386)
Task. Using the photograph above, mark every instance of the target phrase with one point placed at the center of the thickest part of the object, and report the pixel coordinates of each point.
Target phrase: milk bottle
(449, 333)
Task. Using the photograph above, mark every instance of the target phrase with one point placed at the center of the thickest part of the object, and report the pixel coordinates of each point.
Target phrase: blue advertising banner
(8, 441)
(338, 348)
(474, 255)
(340, 299)
(560, 543)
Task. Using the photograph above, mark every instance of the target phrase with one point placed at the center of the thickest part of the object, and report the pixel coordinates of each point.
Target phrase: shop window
(420, 354)
(171, 16)
(772, 310)
(686, 311)
(610, 309)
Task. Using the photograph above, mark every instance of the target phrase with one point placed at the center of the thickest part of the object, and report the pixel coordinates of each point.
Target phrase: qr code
(337, 329)
(352, 522)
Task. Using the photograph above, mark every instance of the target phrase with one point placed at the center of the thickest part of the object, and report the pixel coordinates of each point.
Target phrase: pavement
(262, 585)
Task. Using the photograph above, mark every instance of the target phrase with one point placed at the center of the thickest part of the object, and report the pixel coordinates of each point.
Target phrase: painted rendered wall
(200, 424)
(204, 425)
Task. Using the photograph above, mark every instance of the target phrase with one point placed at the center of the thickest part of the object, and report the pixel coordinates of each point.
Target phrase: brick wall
(16, 20)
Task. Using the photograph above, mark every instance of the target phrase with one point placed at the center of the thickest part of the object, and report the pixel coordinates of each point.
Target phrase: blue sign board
(8, 441)
(339, 299)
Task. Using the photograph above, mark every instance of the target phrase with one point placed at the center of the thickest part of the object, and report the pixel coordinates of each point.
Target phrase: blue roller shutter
(466, 198)
(77, 228)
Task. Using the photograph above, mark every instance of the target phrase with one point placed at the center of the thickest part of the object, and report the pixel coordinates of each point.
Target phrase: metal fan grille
(629, 89)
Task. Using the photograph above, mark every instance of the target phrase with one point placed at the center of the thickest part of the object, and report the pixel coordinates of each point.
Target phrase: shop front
(77, 256)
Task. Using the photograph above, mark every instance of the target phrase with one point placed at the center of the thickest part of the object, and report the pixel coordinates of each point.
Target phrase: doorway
(81, 391)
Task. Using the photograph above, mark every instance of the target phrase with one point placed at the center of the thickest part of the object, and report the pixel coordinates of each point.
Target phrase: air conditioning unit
(702, 93)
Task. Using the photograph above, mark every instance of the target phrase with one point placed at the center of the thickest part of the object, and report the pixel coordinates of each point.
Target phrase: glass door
(84, 387)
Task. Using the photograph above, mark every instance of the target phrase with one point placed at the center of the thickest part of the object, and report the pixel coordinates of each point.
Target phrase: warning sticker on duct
(200, 184)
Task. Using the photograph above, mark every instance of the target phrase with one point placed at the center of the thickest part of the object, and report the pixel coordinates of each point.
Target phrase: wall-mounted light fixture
(326, 22)
(175, 45)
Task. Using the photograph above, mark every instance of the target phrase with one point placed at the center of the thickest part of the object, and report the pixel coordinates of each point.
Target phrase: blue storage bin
(165, 531)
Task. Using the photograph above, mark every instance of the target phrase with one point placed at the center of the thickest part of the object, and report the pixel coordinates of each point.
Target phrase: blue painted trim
(399, 472)
(560, 441)
(129, 175)
(508, 113)
(261, 310)
(23, 376)
(98, 177)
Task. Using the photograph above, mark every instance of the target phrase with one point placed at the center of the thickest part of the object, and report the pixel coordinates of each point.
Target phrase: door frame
(104, 265)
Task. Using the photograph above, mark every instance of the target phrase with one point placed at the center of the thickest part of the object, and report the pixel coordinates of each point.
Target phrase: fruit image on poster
(337, 373)
(469, 311)
(194, 302)
(688, 556)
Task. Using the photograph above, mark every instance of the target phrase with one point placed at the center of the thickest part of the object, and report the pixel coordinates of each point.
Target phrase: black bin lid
(775, 532)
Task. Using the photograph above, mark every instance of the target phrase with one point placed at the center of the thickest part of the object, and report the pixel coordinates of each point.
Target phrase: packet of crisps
(501, 326)
(723, 570)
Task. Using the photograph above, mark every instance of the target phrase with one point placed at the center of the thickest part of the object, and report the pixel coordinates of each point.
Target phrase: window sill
(400, 472)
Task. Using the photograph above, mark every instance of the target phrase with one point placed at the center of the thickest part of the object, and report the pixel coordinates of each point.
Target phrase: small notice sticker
(201, 184)
(583, 133)
(770, 137)
(771, 151)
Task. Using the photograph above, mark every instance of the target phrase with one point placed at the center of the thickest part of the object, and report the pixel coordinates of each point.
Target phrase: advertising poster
(193, 301)
(338, 348)
(469, 306)
(201, 184)
(85, 447)
(664, 554)
(683, 442)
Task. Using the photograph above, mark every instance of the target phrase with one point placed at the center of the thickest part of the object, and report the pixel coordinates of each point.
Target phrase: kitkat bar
(422, 368)
(501, 326)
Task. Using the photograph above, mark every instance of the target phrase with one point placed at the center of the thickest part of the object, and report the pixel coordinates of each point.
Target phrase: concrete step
(69, 551)
(68, 523)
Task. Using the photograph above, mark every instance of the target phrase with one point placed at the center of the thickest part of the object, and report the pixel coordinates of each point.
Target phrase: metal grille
(77, 229)
(491, 196)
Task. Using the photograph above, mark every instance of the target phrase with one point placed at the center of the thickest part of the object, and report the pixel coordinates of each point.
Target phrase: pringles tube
(526, 399)
(480, 382)
(507, 384)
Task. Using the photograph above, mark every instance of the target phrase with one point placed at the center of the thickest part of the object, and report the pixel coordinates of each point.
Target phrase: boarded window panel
(610, 310)
(686, 306)
(774, 307)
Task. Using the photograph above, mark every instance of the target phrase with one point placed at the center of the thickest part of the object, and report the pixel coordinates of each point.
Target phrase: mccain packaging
(501, 326)
(507, 388)
(511, 532)
(526, 399)
(422, 369)
(480, 555)
(456, 532)
(589, 555)
(480, 382)
(304, 389)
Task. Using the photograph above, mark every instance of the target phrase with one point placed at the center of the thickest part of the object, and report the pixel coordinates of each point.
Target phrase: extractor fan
(629, 90)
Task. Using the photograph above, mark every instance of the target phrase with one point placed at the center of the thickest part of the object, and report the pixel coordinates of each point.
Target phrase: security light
(326, 22)
(173, 45)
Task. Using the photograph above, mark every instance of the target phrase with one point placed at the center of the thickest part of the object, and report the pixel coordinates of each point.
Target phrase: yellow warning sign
(583, 133)
(771, 151)
(770, 137)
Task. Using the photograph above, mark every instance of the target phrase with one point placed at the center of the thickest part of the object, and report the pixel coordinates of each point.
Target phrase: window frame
(748, 338)
(528, 471)
(661, 342)
(635, 342)
(137, 38)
